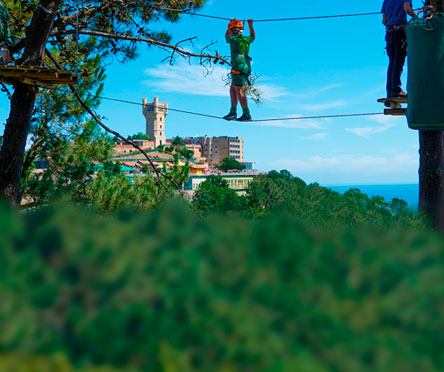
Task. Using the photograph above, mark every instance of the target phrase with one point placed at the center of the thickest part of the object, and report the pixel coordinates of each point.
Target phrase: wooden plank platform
(397, 100)
(395, 112)
(39, 76)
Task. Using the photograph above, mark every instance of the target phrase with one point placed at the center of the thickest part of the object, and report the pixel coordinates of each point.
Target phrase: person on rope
(394, 19)
(241, 67)
(4, 33)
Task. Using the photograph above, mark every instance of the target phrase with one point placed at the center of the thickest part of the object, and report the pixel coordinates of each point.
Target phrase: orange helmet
(235, 23)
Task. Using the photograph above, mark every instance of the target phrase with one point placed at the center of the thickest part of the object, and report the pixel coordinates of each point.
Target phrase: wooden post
(431, 176)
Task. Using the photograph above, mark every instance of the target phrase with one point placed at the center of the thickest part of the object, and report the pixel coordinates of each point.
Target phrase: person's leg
(233, 110)
(391, 55)
(234, 99)
(399, 56)
(242, 97)
(244, 104)
(4, 56)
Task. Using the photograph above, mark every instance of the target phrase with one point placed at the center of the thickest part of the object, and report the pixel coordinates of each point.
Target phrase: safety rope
(221, 118)
(273, 19)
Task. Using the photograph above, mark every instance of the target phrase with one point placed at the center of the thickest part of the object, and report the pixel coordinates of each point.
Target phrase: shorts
(242, 65)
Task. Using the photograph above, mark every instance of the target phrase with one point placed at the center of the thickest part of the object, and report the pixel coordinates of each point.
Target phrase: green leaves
(168, 291)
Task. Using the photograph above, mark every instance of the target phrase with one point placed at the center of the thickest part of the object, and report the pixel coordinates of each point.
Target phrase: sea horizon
(408, 192)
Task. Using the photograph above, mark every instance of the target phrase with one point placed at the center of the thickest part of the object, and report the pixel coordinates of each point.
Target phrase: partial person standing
(394, 19)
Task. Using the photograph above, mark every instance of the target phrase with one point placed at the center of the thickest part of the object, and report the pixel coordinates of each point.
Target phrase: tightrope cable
(254, 121)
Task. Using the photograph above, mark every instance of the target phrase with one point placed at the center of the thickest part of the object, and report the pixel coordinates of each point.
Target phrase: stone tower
(155, 114)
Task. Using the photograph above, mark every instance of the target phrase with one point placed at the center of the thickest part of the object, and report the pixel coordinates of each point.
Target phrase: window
(160, 118)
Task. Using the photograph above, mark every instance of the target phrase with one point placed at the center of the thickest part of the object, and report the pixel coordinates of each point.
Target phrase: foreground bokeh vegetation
(302, 280)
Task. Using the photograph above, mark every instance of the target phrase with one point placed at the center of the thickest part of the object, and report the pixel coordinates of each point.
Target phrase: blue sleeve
(383, 7)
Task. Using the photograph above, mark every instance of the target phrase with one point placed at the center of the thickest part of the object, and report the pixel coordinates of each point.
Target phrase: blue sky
(313, 67)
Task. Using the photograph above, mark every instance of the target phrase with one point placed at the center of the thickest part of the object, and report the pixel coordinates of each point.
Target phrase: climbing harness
(395, 28)
(241, 73)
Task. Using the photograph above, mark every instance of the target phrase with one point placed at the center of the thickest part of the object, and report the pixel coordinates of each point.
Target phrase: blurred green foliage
(55, 363)
(167, 291)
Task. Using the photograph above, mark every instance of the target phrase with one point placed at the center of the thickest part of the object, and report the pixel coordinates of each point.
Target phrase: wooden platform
(36, 76)
(397, 100)
(394, 111)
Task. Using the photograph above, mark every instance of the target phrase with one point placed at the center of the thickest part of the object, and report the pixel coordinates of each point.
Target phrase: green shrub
(168, 291)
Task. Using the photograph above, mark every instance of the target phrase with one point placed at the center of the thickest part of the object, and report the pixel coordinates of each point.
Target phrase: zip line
(252, 121)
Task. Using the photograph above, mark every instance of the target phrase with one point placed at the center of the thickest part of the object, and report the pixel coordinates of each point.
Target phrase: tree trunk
(23, 100)
(431, 176)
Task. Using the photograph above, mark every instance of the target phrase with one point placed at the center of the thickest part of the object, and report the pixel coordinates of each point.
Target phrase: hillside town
(208, 152)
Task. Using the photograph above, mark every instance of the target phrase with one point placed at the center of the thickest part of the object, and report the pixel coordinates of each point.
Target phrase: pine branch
(172, 48)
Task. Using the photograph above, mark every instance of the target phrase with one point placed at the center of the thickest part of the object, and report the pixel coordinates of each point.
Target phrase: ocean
(407, 192)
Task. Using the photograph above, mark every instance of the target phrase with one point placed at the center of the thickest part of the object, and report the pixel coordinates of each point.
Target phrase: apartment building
(227, 147)
(215, 149)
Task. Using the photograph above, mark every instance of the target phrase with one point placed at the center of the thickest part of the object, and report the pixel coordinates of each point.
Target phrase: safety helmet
(235, 23)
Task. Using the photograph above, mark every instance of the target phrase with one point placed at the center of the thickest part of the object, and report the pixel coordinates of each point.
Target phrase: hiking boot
(230, 116)
(244, 118)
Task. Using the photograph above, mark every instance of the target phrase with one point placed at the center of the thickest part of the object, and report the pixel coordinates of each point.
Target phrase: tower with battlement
(155, 114)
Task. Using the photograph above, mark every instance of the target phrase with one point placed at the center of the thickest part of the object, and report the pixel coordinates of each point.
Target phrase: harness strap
(394, 28)
(241, 73)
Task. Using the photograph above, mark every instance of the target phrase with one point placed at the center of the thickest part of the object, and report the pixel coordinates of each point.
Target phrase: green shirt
(239, 44)
(4, 14)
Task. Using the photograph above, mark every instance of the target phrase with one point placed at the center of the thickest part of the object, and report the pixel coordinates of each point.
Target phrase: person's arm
(408, 9)
(384, 19)
(250, 25)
